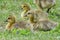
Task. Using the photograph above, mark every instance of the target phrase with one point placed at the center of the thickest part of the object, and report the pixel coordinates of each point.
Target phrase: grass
(8, 6)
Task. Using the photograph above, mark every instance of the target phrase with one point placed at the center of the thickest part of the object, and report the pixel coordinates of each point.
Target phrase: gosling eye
(23, 6)
(9, 18)
(28, 13)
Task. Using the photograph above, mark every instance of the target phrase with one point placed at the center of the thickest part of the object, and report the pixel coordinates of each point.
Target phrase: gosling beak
(6, 21)
(21, 8)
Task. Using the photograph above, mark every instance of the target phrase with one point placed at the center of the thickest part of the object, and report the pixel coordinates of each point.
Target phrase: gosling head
(29, 14)
(25, 6)
(11, 19)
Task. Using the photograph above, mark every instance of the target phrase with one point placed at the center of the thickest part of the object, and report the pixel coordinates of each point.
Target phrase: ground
(13, 6)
